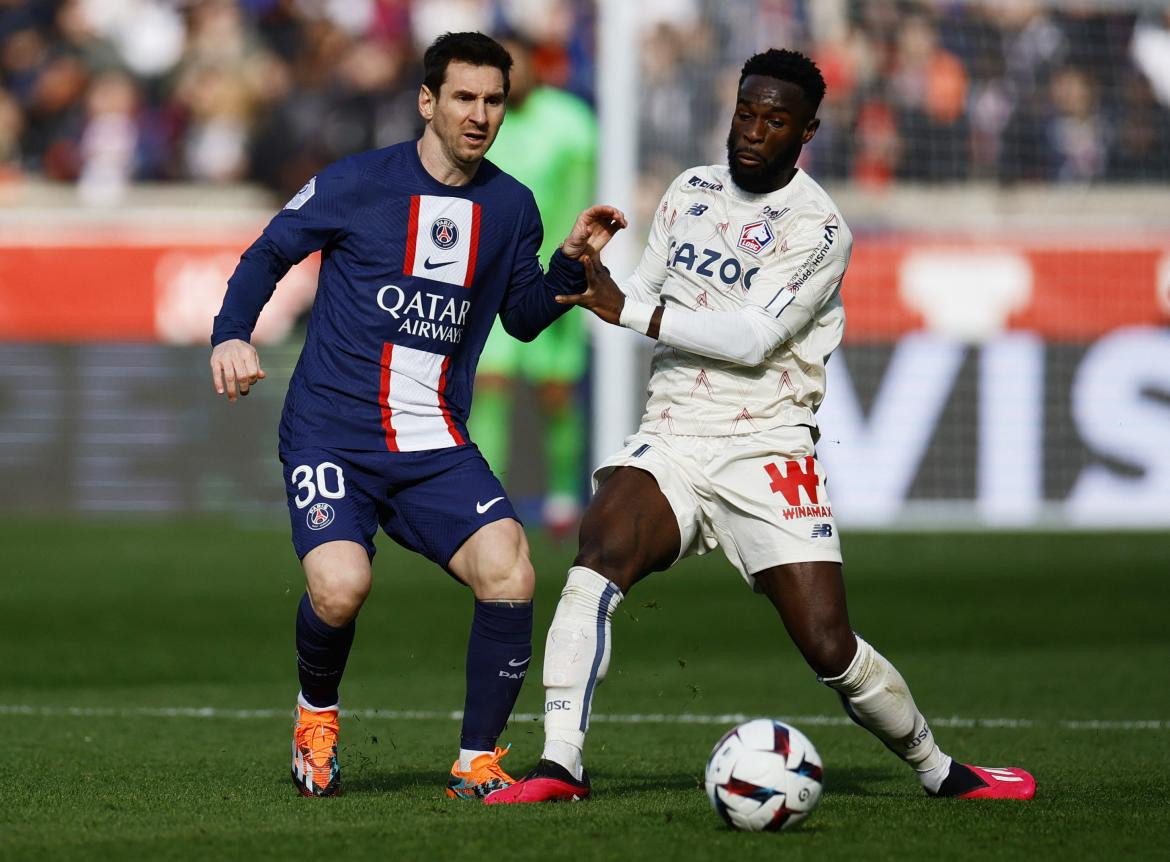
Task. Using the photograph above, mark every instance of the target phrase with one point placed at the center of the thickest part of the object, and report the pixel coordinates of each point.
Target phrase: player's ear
(426, 102)
(810, 129)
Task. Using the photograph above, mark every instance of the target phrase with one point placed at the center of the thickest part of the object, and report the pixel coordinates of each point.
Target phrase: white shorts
(762, 497)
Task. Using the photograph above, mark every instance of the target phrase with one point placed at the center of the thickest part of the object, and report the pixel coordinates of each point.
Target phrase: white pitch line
(724, 719)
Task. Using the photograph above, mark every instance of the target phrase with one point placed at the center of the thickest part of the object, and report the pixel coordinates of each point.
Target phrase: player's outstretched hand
(235, 368)
(602, 296)
(593, 230)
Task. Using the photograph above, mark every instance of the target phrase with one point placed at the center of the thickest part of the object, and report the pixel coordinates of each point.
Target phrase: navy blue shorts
(430, 502)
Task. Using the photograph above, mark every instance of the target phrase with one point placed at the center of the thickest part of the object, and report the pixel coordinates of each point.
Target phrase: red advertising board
(105, 288)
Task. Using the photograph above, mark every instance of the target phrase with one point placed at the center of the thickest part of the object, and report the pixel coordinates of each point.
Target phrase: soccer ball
(764, 775)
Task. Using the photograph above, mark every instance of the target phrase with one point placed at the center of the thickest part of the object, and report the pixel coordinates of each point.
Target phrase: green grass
(127, 618)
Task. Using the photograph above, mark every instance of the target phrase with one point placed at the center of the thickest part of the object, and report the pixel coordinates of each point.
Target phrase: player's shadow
(861, 781)
(619, 786)
(390, 781)
(842, 781)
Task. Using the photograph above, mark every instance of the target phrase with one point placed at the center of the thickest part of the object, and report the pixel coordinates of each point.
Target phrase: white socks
(306, 705)
(878, 699)
(466, 755)
(576, 659)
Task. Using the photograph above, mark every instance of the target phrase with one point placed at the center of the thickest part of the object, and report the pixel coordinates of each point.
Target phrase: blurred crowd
(1005, 90)
(105, 93)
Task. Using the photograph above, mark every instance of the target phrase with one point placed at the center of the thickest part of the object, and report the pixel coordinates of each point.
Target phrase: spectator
(1076, 131)
(109, 142)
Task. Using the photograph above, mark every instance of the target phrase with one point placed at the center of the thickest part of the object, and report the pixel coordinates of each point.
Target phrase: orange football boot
(485, 775)
(315, 770)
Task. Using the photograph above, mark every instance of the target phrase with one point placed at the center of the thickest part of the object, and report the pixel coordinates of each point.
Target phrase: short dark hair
(474, 48)
(791, 66)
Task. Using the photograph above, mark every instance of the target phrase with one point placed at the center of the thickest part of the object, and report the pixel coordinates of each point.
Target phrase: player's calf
(576, 661)
(876, 696)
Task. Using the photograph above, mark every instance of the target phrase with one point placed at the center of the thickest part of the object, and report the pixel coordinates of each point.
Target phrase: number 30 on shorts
(330, 483)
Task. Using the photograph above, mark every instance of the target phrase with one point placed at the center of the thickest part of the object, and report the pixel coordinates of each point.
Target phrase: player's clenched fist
(235, 368)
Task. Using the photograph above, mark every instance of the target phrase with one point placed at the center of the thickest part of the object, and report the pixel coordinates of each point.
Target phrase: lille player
(422, 245)
(740, 285)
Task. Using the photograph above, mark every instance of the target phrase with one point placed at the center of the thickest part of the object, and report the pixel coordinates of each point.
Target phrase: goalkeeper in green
(548, 142)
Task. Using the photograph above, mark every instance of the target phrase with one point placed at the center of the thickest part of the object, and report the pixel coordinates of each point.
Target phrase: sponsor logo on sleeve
(302, 197)
(817, 256)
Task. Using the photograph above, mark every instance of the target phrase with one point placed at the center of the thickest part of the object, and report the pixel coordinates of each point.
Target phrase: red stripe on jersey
(411, 236)
(473, 247)
(384, 398)
(451, 429)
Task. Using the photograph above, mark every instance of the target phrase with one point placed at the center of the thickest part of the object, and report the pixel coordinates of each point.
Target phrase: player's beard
(765, 177)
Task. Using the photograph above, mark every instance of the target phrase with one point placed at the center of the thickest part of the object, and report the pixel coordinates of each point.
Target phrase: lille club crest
(444, 233)
(756, 236)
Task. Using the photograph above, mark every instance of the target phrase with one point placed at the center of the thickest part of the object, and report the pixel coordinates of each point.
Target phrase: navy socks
(498, 654)
(322, 651)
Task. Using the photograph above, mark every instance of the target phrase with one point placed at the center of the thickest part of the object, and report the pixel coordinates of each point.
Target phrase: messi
(711, 264)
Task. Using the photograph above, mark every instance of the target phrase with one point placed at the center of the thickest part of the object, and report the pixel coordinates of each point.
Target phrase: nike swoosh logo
(519, 663)
(428, 265)
(483, 507)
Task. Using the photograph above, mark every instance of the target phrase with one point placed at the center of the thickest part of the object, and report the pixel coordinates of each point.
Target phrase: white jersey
(715, 247)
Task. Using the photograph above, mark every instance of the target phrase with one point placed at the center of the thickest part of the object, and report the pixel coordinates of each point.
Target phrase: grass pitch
(1043, 651)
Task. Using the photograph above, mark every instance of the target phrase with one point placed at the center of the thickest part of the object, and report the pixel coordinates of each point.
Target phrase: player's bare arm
(593, 230)
(603, 297)
(235, 368)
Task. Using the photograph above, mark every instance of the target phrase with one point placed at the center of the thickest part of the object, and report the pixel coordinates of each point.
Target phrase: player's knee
(515, 581)
(497, 565)
(830, 654)
(615, 558)
(337, 600)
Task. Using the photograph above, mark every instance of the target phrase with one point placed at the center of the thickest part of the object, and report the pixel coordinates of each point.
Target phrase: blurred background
(1005, 167)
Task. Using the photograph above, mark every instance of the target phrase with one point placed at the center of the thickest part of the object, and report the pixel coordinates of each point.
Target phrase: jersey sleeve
(645, 283)
(798, 284)
(785, 298)
(315, 217)
(529, 305)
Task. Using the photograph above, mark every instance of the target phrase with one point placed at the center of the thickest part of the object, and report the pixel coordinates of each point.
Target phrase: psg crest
(756, 237)
(444, 233)
(319, 516)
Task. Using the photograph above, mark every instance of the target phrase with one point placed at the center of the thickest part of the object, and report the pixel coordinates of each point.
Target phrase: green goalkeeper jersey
(550, 144)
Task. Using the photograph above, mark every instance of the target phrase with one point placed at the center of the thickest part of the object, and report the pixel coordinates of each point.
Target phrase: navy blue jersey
(413, 273)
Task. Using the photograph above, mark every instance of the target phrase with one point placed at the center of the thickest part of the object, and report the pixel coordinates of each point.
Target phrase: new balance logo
(822, 531)
(697, 210)
(428, 265)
